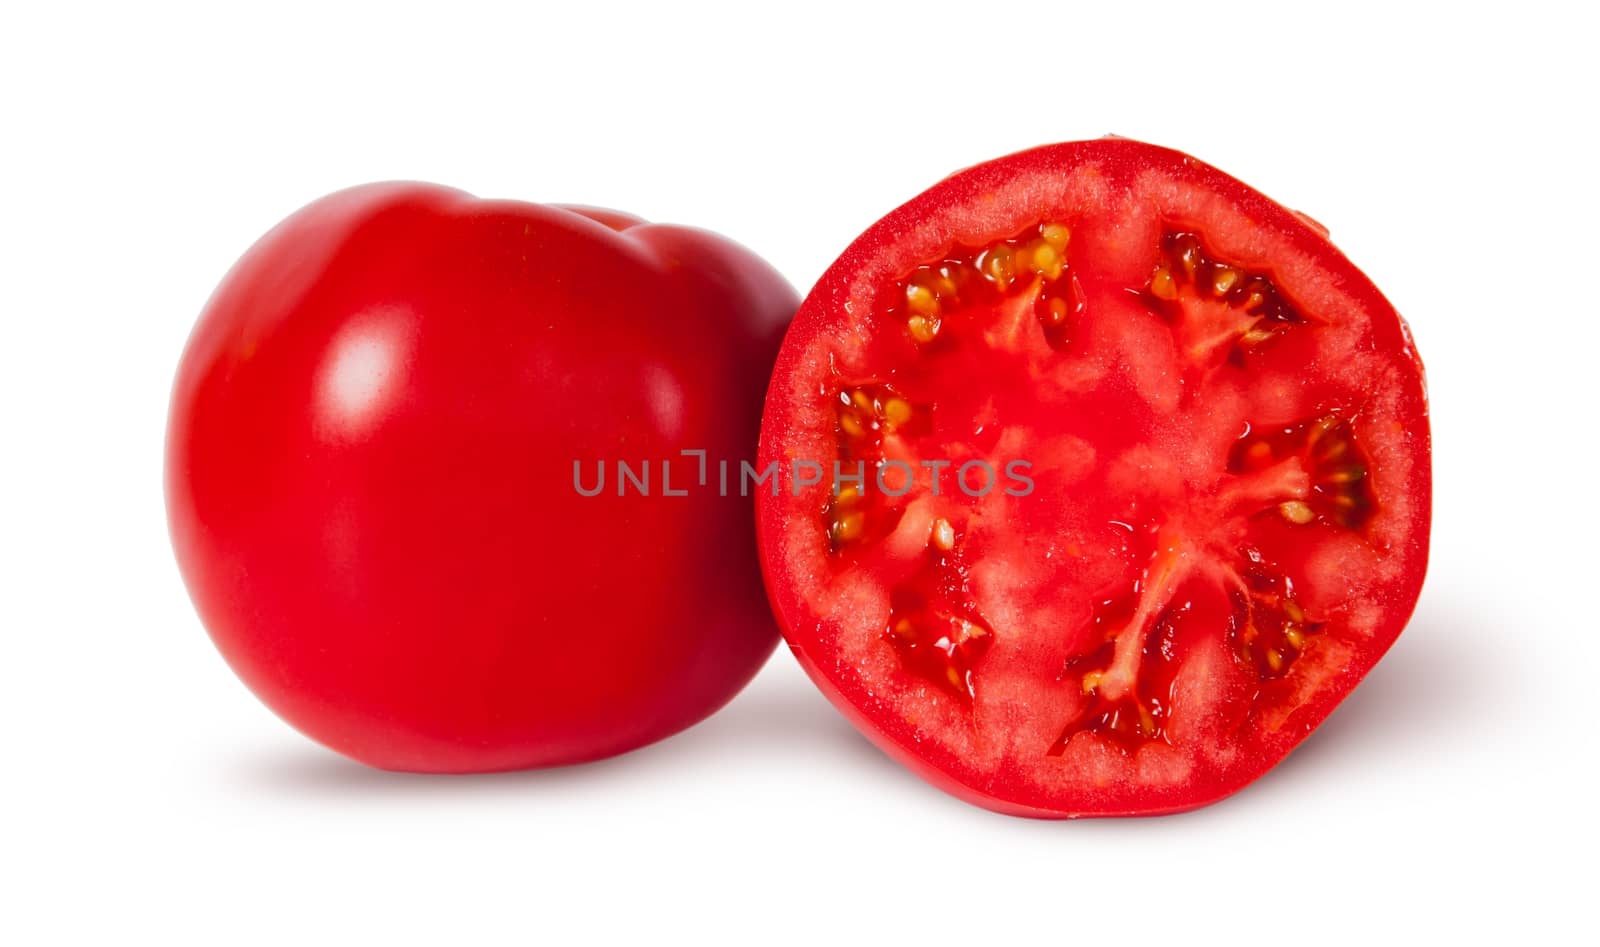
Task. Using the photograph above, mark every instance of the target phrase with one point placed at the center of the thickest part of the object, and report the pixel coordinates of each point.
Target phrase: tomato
(1127, 481)
(374, 451)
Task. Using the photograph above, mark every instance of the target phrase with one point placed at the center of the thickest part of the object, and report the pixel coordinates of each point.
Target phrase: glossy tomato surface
(1144, 481)
(372, 490)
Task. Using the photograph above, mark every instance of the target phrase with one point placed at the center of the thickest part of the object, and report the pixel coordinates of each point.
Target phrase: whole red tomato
(1141, 481)
(377, 435)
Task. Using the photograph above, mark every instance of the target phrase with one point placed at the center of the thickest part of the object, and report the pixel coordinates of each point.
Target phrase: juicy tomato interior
(1224, 516)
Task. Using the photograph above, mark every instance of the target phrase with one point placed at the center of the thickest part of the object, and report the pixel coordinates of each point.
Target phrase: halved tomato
(1129, 481)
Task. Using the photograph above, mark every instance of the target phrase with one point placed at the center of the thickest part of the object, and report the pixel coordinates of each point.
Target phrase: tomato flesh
(1222, 427)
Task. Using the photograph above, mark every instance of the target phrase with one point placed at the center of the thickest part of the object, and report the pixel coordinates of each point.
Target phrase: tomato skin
(370, 476)
(963, 210)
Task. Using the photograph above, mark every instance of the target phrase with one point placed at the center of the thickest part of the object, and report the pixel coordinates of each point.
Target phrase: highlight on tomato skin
(1224, 426)
(370, 476)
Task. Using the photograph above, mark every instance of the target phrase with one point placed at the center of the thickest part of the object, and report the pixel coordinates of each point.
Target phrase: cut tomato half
(1126, 481)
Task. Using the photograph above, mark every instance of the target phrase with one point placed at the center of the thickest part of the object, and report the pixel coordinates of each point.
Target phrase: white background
(143, 148)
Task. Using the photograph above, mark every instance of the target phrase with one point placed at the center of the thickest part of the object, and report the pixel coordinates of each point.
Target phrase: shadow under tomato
(1418, 699)
(779, 714)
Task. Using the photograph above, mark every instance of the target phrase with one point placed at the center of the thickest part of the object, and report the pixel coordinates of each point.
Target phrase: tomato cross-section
(1157, 461)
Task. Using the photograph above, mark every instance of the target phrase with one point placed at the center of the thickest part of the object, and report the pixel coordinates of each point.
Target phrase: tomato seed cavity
(933, 623)
(868, 416)
(1341, 491)
(1218, 312)
(1268, 628)
(1033, 262)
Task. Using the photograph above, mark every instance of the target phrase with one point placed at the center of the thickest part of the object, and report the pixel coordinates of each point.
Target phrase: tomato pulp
(372, 476)
(1129, 481)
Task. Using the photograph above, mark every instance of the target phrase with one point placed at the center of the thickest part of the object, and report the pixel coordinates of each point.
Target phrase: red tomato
(1145, 481)
(371, 483)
